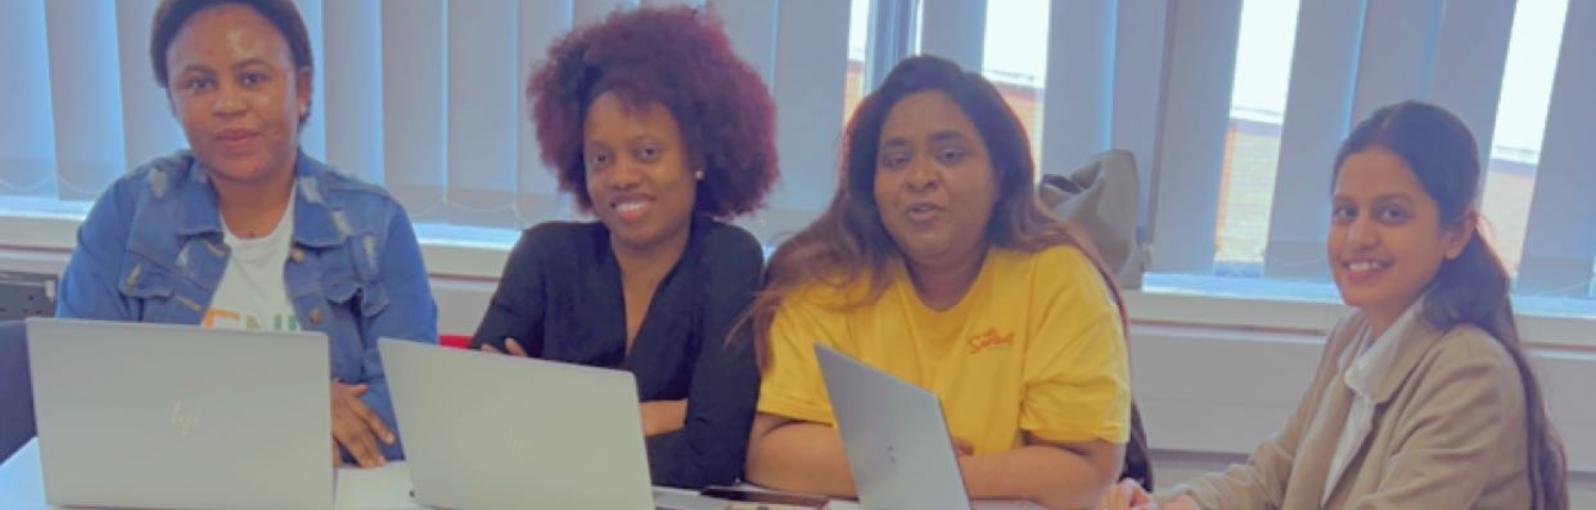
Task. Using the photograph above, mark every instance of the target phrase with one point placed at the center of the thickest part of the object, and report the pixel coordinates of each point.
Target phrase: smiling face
(637, 171)
(934, 185)
(1387, 239)
(234, 87)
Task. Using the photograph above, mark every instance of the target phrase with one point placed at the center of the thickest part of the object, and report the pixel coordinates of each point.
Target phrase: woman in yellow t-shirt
(936, 263)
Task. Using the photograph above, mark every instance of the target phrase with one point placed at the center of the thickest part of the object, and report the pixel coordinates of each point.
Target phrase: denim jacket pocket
(150, 286)
(142, 279)
(372, 297)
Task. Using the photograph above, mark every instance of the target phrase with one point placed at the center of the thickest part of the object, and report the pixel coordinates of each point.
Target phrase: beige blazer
(1447, 433)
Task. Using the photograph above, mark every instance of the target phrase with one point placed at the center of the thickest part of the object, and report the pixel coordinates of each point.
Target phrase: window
(78, 119)
(1520, 123)
(1014, 59)
(858, 48)
(1252, 143)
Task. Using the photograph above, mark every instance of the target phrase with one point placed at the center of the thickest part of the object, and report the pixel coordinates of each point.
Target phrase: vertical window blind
(1233, 108)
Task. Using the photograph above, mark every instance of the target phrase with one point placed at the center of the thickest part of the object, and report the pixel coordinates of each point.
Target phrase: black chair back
(16, 390)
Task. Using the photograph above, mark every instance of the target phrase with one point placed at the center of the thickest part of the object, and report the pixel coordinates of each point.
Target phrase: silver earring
(698, 176)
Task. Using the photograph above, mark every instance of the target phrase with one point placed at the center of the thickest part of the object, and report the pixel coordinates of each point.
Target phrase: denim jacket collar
(319, 220)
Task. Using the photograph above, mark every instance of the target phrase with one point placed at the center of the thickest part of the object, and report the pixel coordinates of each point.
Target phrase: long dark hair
(1472, 288)
(848, 243)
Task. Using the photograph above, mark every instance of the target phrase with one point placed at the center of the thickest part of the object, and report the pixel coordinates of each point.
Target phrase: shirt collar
(1379, 370)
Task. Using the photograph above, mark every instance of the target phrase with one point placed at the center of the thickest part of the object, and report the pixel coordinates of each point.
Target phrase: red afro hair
(681, 58)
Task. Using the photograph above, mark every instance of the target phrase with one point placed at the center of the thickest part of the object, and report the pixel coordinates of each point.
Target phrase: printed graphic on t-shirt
(230, 319)
(990, 340)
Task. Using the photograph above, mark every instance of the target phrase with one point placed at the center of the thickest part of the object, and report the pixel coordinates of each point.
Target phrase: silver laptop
(137, 415)
(896, 439)
(489, 431)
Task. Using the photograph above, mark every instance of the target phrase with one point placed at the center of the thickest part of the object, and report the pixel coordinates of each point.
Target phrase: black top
(560, 297)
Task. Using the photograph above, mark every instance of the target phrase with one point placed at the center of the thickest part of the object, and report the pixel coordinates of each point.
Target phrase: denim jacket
(151, 250)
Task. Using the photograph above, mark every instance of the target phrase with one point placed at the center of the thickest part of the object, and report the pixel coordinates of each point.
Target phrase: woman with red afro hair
(662, 135)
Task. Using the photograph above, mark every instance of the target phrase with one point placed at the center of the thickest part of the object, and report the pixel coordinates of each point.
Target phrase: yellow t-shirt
(1035, 346)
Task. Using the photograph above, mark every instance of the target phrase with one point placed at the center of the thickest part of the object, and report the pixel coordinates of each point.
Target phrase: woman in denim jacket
(245, 231)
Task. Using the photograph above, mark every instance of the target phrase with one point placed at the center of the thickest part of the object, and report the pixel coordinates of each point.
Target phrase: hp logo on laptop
(183, 421)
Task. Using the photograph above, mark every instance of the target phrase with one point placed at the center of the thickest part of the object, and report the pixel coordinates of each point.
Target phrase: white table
(388, 488)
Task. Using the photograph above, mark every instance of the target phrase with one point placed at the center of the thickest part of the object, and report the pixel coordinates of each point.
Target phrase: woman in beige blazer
(1423, 398)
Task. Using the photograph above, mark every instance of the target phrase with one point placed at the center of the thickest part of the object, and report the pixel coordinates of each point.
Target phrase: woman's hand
(663, 416)
(1128, 495)
(511, 346)
(356, 428)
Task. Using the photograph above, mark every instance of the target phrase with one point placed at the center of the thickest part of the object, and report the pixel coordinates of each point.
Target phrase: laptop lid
(139, 415)
(897, 441)
(494, 431)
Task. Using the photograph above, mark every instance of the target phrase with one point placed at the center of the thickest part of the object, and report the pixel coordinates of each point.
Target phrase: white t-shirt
(253, 294)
